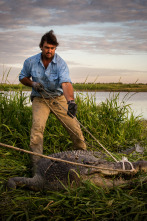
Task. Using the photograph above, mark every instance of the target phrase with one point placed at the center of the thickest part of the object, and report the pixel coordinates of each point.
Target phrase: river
(137, 101)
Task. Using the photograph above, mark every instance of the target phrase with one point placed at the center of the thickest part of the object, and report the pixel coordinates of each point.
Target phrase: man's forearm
(68, 91)
(27, 82)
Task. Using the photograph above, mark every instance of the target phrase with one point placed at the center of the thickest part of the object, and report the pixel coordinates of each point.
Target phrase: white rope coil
(125, 160)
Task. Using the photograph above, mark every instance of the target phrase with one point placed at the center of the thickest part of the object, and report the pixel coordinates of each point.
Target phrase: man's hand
(72, 108)
(37, 86)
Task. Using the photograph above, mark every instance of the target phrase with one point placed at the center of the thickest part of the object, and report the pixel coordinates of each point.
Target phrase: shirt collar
(54, 58)
(39, 57)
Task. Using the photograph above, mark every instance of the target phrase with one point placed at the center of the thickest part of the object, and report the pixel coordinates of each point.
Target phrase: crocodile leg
(34, 183)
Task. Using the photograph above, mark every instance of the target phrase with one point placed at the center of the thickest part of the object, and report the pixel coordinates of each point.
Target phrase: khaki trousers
(41, 109)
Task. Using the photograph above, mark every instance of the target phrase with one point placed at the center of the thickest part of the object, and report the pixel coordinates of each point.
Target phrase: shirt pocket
(36, 75)
(53, 81)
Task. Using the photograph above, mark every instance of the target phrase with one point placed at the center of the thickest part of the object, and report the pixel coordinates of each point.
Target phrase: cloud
(89, 27)
(122, 38)
(114, 39)
(107, 75)
(67, 12)
(94, 17)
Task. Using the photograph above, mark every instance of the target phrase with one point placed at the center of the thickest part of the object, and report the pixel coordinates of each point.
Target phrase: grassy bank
(110, 124)
(117, 87)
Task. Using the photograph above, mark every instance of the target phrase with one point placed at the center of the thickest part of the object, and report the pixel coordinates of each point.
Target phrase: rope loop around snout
(125, 160)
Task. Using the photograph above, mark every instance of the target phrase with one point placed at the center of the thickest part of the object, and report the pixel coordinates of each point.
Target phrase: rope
(79, 124)
(64, 161)
(60, 160)
(60, 118)
(124, 159)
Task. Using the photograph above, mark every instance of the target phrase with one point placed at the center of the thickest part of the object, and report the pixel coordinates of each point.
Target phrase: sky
(102, 41)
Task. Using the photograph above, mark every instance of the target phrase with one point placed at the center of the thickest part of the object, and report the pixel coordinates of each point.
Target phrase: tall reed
(108, 122)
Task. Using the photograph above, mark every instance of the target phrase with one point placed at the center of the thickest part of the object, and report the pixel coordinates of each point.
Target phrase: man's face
(48, 50)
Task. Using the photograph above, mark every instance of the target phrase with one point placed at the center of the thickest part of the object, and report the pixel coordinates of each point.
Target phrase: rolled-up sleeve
(25, 72)
(64, 73)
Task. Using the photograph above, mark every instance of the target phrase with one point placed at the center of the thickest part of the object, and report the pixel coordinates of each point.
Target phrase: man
(52, 91)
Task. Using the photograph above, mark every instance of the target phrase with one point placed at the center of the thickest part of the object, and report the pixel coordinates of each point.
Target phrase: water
(137, 101)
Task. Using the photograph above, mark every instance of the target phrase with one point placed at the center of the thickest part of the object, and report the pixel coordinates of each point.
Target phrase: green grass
(87, 202)
(136, 87)
(117, 87)
(109, 123)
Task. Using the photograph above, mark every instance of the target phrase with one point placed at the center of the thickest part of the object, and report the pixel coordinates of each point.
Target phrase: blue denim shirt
(51, 78)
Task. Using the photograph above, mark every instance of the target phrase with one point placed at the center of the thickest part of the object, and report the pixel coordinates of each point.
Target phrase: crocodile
(55, 175)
